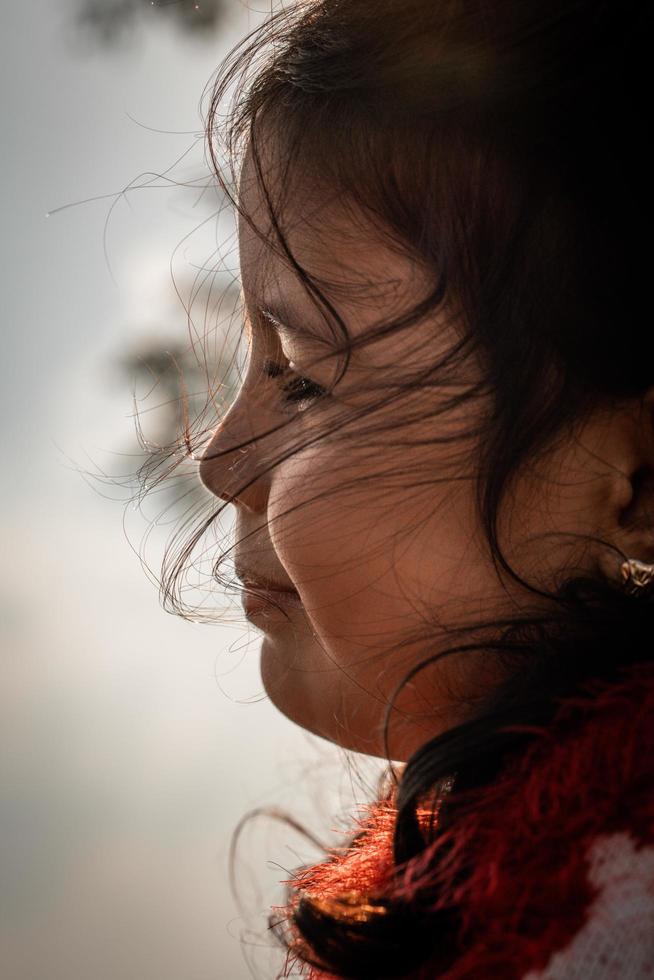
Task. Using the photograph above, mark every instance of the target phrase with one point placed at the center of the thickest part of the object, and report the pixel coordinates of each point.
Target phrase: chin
(283, 685)
(311, 709)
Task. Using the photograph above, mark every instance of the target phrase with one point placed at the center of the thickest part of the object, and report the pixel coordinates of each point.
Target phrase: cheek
(372, 568)
(335, 540)
(370, 561)
(317, 524)
(341, 545)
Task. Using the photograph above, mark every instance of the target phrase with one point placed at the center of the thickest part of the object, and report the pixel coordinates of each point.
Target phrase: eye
(298, 389)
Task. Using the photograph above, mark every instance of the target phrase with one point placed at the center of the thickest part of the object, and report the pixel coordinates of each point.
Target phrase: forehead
(361, 271)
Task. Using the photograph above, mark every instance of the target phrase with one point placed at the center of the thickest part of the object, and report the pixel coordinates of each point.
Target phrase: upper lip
(258, 581)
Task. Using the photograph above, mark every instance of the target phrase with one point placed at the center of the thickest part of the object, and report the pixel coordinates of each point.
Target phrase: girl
(441, 460)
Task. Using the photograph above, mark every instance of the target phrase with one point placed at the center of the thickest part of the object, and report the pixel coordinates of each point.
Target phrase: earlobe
(637, 519)
(635, 516)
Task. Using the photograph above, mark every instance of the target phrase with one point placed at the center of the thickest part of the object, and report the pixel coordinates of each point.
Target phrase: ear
(629, 447)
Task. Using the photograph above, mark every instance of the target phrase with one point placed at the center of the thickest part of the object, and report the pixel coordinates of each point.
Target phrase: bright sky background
(126, 755)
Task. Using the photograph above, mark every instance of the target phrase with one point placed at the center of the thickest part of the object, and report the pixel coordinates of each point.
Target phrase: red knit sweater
(561, 848)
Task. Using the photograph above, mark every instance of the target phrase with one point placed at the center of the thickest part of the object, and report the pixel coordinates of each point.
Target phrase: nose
(227, 467)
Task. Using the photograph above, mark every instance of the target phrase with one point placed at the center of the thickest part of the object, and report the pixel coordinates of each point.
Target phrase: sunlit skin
(390, 551)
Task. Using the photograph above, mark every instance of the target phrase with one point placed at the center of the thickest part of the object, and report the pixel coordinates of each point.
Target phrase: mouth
(264, 602)
(261, 595)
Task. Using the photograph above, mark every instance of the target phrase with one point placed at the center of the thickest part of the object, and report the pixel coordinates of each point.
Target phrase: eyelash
(297, 390)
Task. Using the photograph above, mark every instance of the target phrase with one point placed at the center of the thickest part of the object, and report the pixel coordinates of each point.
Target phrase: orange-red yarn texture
(560, 852)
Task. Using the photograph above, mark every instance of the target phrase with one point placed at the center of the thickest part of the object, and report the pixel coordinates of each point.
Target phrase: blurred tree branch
(177, 386)
(111, 22)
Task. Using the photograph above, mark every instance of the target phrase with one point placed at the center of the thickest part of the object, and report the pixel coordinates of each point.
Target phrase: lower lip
(264, 602)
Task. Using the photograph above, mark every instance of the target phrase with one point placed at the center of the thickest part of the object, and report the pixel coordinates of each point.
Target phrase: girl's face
(373, 523)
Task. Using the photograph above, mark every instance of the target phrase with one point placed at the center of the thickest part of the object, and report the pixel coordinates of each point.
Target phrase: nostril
(210, 479)
(217, 471)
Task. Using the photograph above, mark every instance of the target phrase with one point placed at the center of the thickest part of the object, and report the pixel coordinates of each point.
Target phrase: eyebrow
(279, 316)
(287, 320)
(290, 322)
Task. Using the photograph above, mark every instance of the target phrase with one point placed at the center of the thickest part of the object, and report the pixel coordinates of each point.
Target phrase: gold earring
(636, 575)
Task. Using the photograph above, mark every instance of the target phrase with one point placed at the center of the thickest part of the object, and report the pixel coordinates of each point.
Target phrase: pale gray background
(127, 755)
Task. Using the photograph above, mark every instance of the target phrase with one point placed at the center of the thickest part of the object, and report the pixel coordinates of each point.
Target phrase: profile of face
(363, 499)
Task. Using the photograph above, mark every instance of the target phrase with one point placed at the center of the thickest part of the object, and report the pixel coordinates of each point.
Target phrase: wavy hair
(498, 143)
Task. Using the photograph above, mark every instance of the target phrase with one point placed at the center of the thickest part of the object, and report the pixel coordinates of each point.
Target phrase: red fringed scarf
(560, 850)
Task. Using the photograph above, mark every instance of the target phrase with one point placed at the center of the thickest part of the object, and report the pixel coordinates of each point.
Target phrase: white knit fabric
(617, 940)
